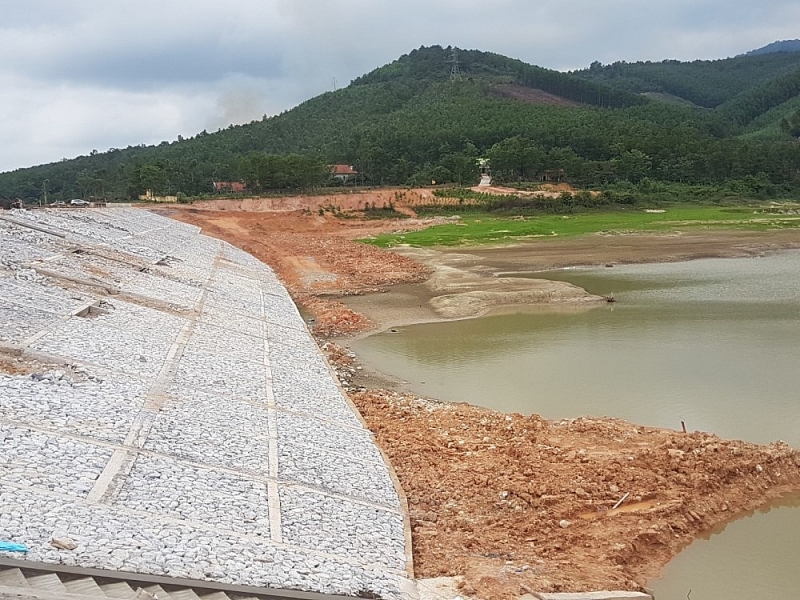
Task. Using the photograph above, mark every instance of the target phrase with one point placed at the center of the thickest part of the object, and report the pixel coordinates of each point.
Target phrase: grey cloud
(50, 124)
(39, 13)
(129, 49)
(178, 66)
(158, 64)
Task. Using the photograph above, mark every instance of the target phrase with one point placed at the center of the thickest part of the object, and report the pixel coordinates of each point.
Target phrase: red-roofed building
(343, 172)
(229, 186)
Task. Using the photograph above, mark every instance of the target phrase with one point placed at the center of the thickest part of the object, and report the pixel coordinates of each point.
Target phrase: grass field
(477, 228)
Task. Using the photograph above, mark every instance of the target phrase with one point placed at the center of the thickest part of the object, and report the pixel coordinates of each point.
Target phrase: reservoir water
(714, 343)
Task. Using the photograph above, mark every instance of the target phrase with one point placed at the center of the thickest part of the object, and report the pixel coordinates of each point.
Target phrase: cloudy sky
(83, 75)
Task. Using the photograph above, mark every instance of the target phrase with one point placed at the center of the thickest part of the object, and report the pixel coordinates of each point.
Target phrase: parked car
(78, 202)
(58, 203)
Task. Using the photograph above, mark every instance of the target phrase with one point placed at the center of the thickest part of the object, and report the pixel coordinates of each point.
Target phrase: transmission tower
(455, 71)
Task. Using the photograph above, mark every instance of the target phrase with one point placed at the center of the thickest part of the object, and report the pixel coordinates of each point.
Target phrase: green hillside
(430, 114)
(740, 90)
(779, 46)
(773, 124)
(705, 83)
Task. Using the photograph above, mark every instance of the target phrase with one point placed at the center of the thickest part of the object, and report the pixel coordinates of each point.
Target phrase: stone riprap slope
(168, 411)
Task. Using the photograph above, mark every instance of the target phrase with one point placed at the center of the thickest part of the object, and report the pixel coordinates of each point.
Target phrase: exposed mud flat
(456, 289)
(458, 292)
(470, 281)
(616, 248)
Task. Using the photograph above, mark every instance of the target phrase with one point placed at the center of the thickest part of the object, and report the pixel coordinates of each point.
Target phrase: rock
(431, 516)
(63, 543)
(195, 506)
(563, 523)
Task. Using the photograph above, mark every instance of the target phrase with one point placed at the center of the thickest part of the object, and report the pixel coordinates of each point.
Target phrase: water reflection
(753, 557)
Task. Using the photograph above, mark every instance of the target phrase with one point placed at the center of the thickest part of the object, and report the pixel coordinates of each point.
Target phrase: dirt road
(517, 503)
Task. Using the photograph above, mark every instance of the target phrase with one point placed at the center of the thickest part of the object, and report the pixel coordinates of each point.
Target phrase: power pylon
(455, 71)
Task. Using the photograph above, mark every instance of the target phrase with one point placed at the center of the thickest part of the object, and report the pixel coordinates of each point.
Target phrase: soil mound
(516, 503)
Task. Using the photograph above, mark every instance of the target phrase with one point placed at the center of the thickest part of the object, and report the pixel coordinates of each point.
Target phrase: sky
(84, 75)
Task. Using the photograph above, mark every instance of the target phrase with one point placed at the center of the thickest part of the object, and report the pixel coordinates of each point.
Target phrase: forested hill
(424, 66)
(430, 114)
(704, 83)
(781, 46)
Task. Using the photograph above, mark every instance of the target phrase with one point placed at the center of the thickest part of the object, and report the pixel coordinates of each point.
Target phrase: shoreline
(389, 309)
(647, 569)
(478, 265)
(487, 491)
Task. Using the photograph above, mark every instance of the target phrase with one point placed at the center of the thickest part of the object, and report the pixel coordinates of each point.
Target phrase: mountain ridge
(778, 46)
(428, 116)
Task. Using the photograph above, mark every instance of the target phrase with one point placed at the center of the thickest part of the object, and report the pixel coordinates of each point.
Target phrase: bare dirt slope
(344, 200)
(315, 257)
(517, 503)
(530, 95)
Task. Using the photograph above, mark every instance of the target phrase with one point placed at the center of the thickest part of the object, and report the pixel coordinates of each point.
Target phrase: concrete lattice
(164, 406)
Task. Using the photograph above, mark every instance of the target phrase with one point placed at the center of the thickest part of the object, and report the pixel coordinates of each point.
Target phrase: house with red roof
(343, 173)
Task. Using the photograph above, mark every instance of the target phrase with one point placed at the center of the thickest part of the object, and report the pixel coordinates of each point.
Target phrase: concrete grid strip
(110, 482)
(273, 493)
(203, 526)
(265, 479)
(54, 325)
(283, 484)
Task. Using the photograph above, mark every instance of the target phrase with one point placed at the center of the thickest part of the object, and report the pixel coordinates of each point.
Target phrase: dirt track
(519, 503)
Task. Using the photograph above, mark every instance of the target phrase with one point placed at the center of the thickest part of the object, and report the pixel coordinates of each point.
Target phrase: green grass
(486, 228)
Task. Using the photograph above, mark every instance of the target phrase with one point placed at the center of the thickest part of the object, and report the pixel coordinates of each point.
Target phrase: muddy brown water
(714, 343)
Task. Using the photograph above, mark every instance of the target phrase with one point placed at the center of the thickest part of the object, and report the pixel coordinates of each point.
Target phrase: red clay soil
(315, 257)
(516, 503)
(344, 200)
(512, 503)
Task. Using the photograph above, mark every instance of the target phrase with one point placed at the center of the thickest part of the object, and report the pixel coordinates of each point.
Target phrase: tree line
(411, 123)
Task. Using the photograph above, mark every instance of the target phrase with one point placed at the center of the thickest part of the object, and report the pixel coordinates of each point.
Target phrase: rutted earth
(517, 503)
(512, 503)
